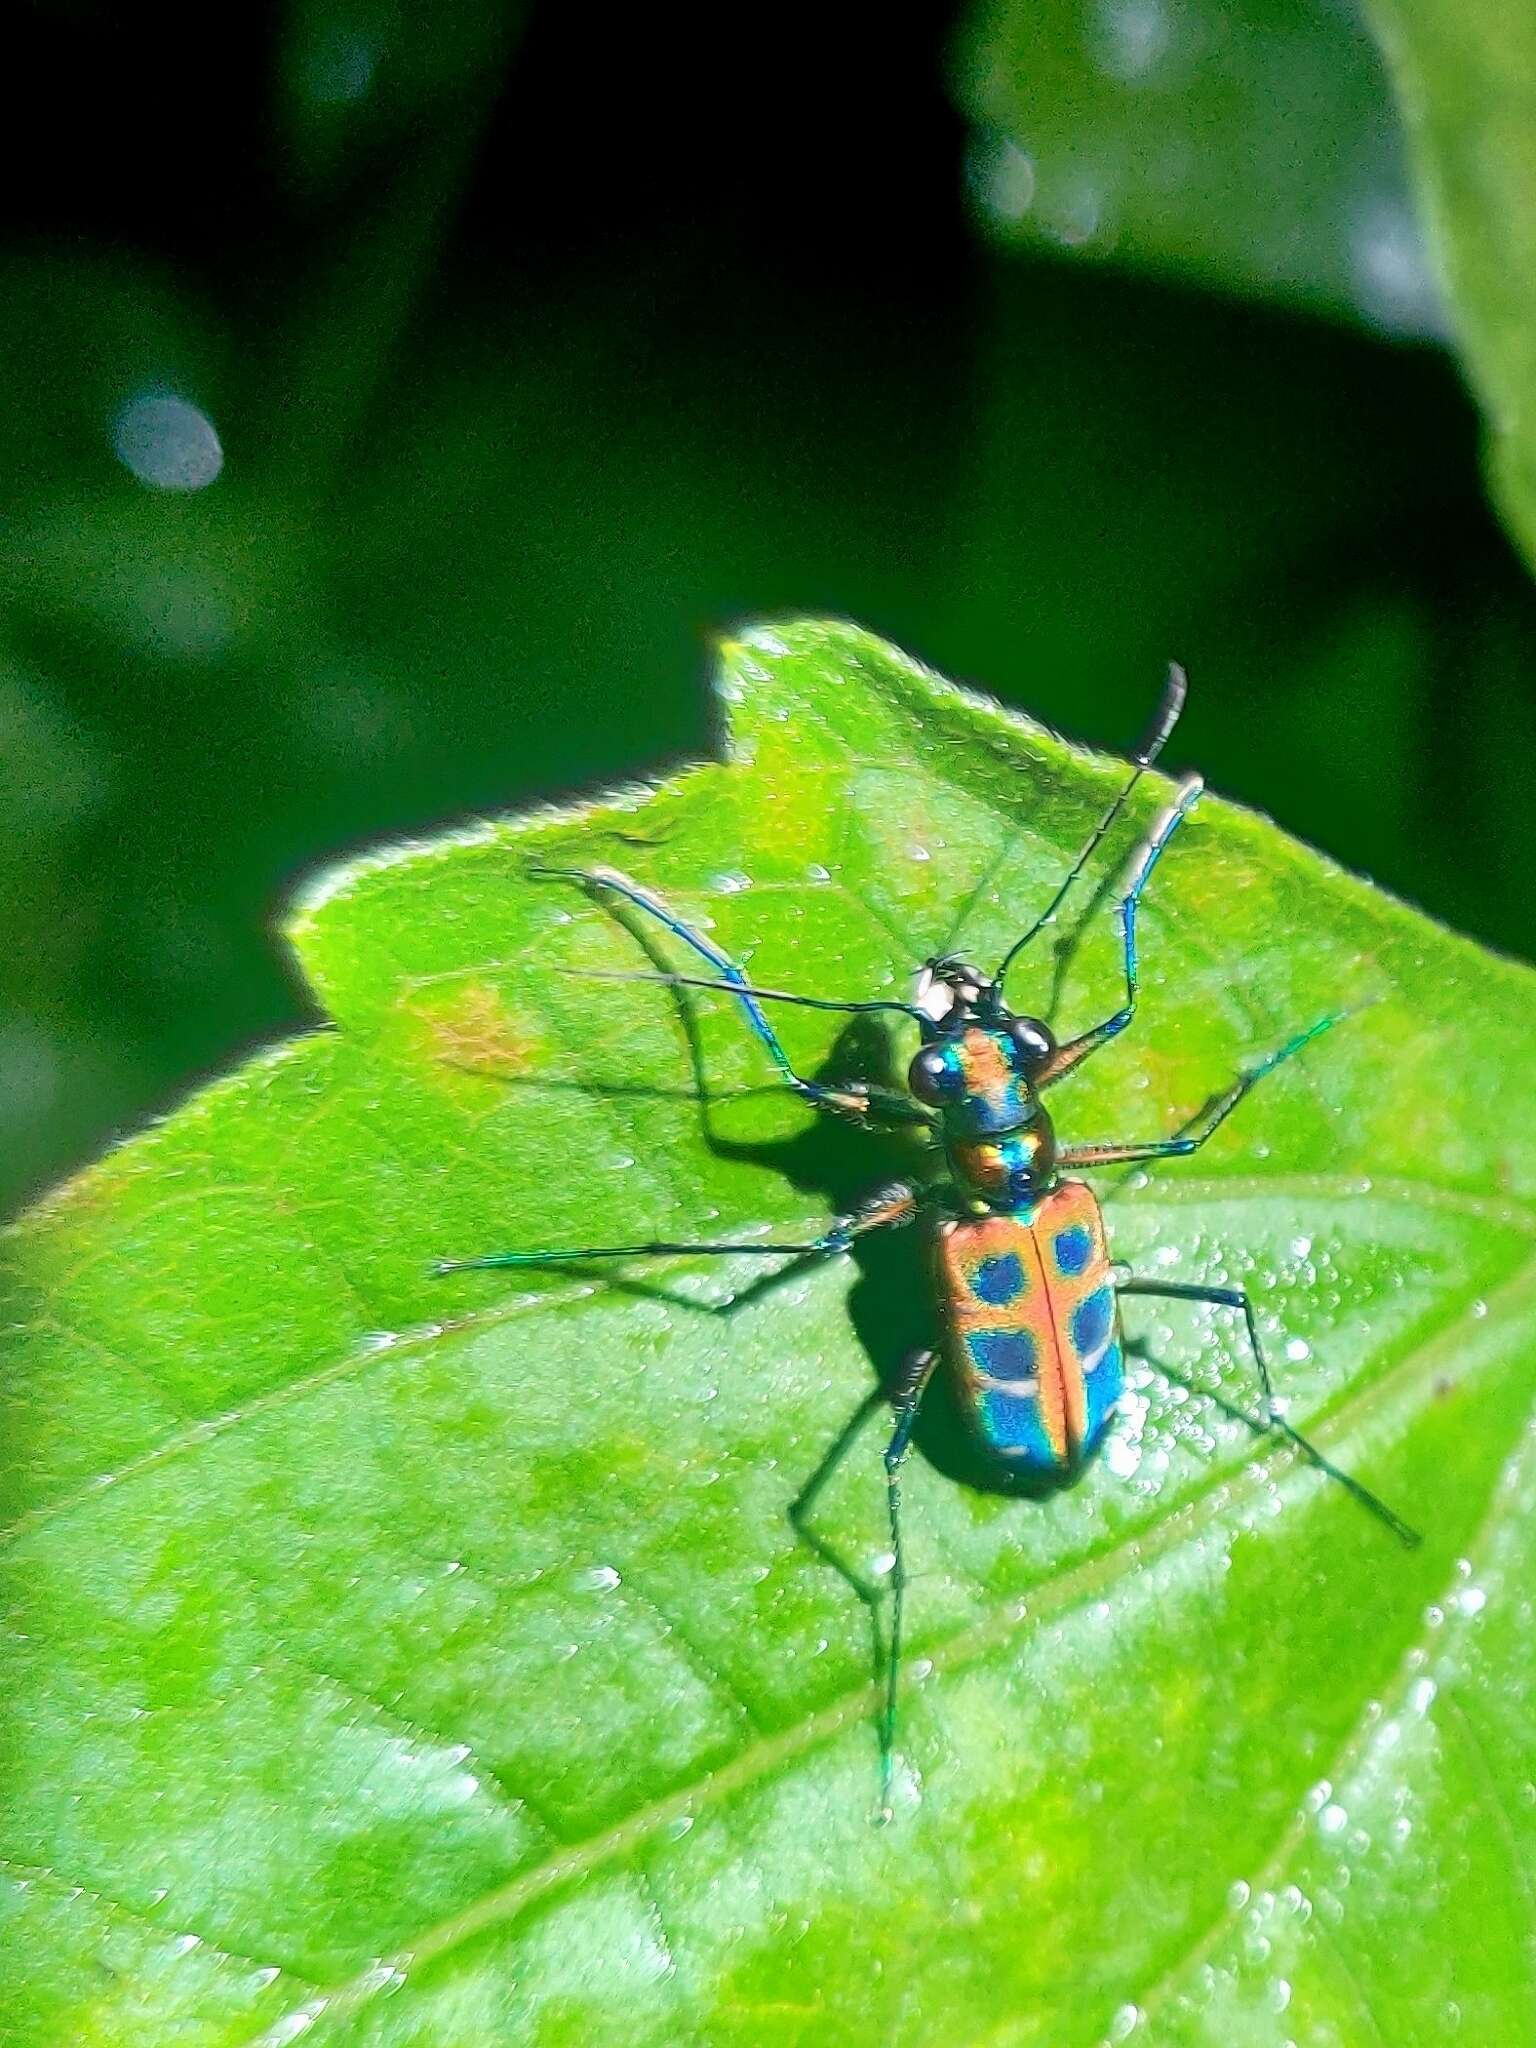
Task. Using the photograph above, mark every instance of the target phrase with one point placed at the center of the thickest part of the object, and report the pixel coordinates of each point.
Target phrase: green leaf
(430, 1660)
(1465, 72)
(1254, 149)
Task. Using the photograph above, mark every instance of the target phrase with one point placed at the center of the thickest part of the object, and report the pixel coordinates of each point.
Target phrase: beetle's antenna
(1164, 719)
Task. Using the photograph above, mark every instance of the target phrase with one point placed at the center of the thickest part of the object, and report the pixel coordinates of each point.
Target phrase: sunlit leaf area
(445, 446)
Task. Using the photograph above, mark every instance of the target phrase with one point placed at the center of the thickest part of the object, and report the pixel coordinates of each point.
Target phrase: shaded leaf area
(1255, 149)
(430, 1660)
(1466, 81)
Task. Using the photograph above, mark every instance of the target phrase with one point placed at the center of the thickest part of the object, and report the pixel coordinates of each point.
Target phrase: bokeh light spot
(167, 442)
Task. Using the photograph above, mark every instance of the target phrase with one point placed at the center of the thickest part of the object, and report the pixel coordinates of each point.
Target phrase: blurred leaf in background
(1466, 80)
(1252, 148)
(510, 362)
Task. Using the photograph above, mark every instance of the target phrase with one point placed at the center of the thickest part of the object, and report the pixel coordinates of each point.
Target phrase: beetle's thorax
(988, 1089)
(997, 1134)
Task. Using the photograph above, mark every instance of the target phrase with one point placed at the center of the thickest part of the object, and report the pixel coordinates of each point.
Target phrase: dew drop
(293, 2024)
(382, 1977)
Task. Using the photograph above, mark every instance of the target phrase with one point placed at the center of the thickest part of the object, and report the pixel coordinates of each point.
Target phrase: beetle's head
(951, 993)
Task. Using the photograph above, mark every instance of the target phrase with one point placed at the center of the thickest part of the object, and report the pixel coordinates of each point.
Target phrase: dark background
(540, 347)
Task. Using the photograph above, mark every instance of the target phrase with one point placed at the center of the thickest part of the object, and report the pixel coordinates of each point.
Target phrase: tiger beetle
(1025, 1291)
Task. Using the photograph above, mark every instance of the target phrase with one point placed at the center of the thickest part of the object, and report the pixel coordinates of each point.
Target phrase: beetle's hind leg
(908, 1399)
(1272, 1422)
(905, 1397)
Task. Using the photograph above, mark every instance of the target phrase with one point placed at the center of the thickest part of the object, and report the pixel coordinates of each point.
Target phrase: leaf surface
(405, 1661)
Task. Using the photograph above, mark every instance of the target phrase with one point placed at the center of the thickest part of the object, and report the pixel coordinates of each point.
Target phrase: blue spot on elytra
(1013, 1423)
(1074, 1247)
(1003, 1354)
(998, 1280)
(1091, 1321)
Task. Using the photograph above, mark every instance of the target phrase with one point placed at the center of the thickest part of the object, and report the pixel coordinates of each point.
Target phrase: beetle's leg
(908, 1399)
(1075, 1050)
(905, 1398)
(1272, 1421)
(885, 1210)
(1208, 1120)
(800, 1511)
(857, 1101)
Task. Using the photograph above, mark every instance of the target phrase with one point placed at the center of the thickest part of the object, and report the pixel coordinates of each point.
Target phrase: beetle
(1025, 1293)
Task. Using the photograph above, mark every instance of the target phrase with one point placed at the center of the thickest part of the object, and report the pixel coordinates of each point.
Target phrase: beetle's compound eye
(935, 1077)
(1034, 1039)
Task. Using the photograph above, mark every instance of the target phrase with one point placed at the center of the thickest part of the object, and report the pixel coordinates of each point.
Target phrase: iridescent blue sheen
(1012, 1425)
(1101, 1389)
